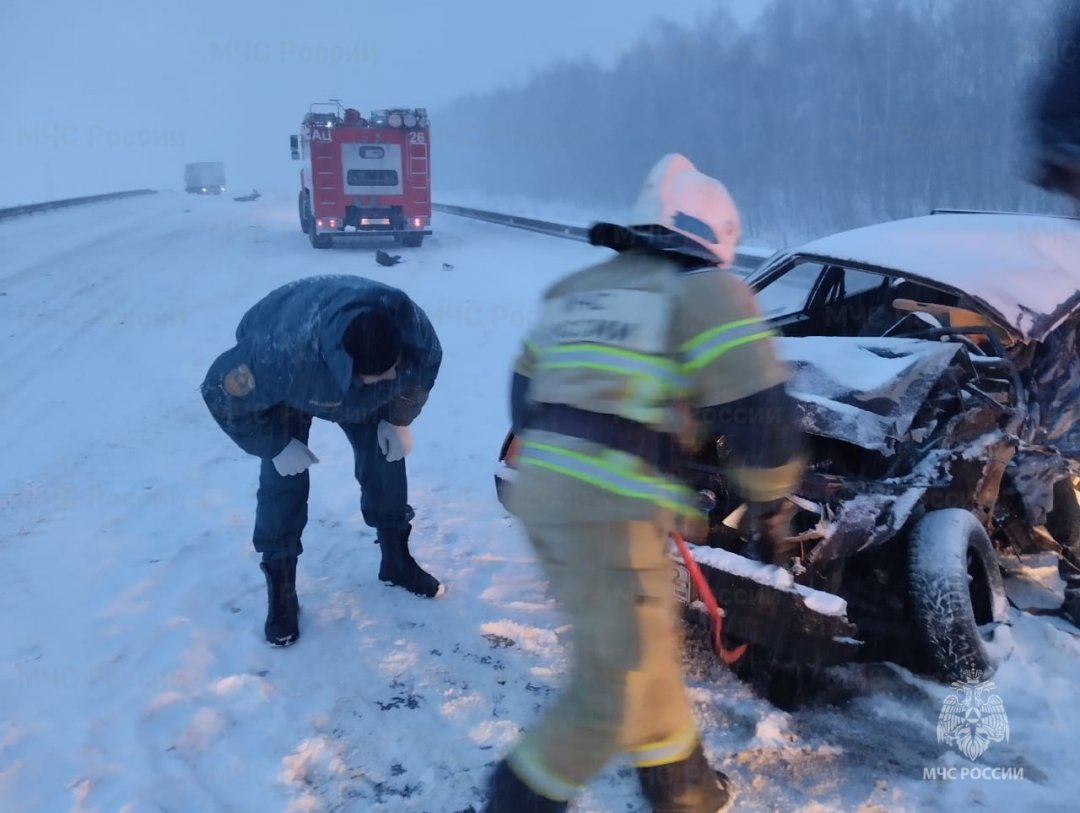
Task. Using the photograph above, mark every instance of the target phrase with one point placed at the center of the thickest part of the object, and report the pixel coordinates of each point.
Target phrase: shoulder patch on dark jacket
(239, 381)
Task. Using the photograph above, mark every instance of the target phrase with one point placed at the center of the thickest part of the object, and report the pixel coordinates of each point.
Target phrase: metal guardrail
(747, 259)
(31, 208)
(579, 233)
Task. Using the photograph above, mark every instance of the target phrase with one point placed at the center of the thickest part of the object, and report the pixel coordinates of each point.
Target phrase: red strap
(728, 656)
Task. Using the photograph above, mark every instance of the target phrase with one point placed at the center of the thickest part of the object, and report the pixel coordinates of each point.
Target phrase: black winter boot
(400, 569)
(281, 627)
(689, 786)
(1070, 608)
(1069, 572)
(508, 794)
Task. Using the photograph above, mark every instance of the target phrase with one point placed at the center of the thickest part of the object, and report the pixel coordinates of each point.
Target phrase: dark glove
(767, 527)
(1058, 171)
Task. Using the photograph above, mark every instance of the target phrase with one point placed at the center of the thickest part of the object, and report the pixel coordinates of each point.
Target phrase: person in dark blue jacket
(344, 349)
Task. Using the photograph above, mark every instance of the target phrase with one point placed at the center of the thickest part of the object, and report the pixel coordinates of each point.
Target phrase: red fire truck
(364, 176)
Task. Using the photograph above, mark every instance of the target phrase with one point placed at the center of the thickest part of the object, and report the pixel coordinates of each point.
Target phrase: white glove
(294, 459)
(394, 441)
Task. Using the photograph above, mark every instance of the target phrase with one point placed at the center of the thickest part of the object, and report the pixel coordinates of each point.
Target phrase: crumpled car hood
(863, 390)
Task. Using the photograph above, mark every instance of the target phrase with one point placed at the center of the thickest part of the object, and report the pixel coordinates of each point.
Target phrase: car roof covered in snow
(1024, 269)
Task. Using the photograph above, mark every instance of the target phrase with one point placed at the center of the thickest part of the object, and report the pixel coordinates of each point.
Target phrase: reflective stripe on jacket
(640, 337)
(614, 472)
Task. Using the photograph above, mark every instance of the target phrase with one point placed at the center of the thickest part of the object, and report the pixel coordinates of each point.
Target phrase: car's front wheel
(957, 594)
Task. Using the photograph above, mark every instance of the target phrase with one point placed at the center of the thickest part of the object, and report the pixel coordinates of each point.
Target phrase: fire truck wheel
(412, 240)
(305, 218)
(319, 240)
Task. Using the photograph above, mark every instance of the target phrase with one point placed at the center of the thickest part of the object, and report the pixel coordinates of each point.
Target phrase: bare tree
(825, 114)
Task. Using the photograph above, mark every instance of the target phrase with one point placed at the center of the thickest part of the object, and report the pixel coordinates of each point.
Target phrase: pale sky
(130, 90)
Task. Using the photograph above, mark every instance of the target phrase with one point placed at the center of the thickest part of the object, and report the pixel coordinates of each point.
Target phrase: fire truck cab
(364, 176)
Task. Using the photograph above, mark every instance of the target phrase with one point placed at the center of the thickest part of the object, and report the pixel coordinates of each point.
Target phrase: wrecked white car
(936, 365)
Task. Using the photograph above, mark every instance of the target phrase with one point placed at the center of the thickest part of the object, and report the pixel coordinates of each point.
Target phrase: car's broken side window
(789, 292)
(857, 282)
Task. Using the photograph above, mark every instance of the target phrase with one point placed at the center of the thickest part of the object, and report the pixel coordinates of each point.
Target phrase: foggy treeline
(823, 114)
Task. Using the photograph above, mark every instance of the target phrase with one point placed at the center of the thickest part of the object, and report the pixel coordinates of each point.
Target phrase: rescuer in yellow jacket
(633, 363)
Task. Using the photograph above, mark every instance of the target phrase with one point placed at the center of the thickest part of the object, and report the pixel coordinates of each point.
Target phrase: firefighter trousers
(612, 576)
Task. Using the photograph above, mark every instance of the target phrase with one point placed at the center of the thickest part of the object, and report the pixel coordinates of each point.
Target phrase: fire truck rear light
(410, 120)
(394, 119)
(416, 221)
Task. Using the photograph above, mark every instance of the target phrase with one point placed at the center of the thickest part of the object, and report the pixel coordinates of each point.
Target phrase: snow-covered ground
(133, 674)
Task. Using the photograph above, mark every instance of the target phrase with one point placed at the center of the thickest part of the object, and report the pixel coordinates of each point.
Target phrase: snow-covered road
(133, 673)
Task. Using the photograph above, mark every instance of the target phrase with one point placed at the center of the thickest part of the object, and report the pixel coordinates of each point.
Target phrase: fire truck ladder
(324, 166)
(418, 170)
(325, 180)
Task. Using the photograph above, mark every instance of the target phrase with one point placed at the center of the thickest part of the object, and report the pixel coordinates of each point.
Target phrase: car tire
(955, 586)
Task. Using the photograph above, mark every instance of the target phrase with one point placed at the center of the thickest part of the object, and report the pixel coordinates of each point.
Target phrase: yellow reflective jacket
(641, 337)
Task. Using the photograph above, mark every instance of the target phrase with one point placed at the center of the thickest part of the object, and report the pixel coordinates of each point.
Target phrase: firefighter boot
(508, 794)
(1070, 608)
(1070, 574)
(688, 786)
(400, 569)
(281, 627)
